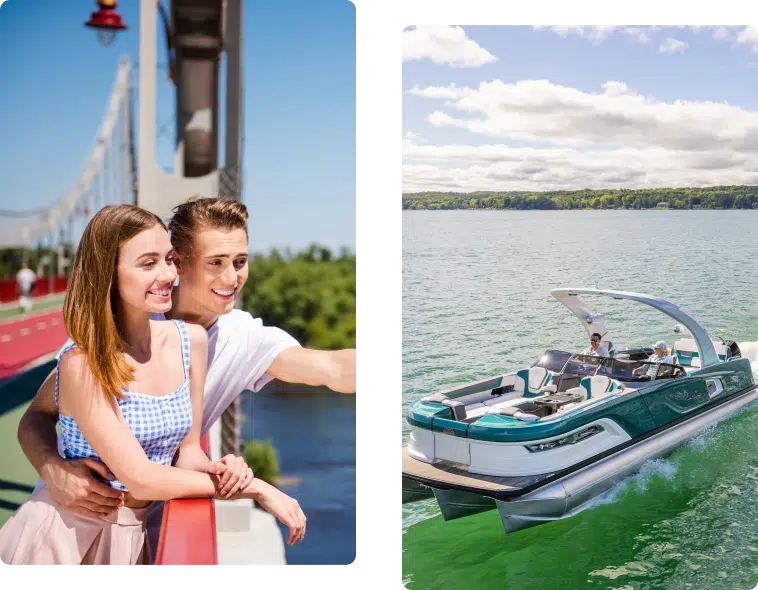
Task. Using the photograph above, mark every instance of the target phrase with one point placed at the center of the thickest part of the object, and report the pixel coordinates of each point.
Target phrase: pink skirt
(41, 532)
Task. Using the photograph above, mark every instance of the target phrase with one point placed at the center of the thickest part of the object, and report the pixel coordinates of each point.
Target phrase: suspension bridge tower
(198, 32)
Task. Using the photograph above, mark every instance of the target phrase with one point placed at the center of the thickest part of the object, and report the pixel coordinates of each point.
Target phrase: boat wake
(749, 351)
(419, 511)
(664, 468)
(667, 467)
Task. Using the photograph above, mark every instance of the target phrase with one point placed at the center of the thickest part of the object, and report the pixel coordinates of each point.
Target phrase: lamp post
(106, 21)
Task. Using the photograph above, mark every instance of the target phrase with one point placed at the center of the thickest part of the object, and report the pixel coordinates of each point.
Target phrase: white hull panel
(513, 459)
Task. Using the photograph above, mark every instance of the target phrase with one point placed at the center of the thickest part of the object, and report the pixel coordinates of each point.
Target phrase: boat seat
(686, 352)
(596, 387)
(476, 410)
(496, 401)
(531, 380)
(459, 408)
(503, 403)
(436, 398)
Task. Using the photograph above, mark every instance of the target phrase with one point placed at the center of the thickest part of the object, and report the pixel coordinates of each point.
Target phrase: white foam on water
(749, 351)
(705, 438)
(664, 468)
(419, 511)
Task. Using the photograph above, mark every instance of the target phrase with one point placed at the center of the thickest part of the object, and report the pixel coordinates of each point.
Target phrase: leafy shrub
(263, 459)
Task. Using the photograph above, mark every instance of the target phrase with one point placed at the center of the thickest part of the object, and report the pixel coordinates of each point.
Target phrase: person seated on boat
(596, 347)
(660, 355)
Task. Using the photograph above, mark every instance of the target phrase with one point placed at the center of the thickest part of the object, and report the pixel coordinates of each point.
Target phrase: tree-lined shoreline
(714, 197)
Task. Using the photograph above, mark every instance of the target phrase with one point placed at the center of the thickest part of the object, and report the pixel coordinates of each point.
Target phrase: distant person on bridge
(211, 242)
(26, 280)
(150, 441)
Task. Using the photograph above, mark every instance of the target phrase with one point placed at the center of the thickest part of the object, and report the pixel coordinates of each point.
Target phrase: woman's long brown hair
(89, 310)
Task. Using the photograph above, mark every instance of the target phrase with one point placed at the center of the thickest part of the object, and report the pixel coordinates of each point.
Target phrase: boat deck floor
(450, 475)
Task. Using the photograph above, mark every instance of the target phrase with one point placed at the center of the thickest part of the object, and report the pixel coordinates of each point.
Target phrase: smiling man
(210, 238)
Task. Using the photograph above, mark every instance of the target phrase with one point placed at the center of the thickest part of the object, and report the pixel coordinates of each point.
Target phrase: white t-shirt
(601, 350)
(25, 277)
(240, 351)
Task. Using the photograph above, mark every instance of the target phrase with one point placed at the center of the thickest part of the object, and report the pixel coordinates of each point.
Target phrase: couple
(109, 391)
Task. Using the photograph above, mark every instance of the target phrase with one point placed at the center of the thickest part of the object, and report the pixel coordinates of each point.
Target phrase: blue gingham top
(160, 423)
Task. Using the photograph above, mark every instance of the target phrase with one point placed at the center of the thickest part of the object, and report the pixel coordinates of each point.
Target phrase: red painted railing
(188, 530)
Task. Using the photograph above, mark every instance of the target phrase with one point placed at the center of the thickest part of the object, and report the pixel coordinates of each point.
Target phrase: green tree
(721, 197)
(310, 295)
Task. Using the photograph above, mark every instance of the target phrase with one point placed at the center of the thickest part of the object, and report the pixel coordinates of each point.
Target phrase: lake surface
(313, 432)
(477, 303)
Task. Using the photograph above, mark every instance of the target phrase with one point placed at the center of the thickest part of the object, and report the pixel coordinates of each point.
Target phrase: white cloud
(616, 138)
(639, 34)
(599, 33)
(444, 45)
(595, 33)
(538, 110)
(749, 36)
(415, 138)
(499, 167)
(543, 136)
(720, 32)
(671, 45)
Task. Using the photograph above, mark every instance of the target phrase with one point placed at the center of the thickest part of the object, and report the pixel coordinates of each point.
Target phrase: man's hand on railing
(284, 508)
(72, 486)
(233, 473)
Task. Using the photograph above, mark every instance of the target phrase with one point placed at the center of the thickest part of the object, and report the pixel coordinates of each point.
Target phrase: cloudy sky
(572, 107)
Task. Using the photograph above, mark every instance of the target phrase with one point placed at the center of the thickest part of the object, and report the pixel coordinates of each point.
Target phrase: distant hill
(712, 197)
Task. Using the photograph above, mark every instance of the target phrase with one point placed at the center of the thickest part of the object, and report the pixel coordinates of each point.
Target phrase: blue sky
(299, 153)
(527, 108)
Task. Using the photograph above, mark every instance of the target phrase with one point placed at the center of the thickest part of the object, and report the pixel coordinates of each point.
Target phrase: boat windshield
(581, 364)
(620, 369)
(553, 360)
(623, 370)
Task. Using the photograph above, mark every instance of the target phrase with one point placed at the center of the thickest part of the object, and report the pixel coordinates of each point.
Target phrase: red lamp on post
(106, 21)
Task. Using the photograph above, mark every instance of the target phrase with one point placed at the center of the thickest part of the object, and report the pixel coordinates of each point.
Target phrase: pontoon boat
(539, 444)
